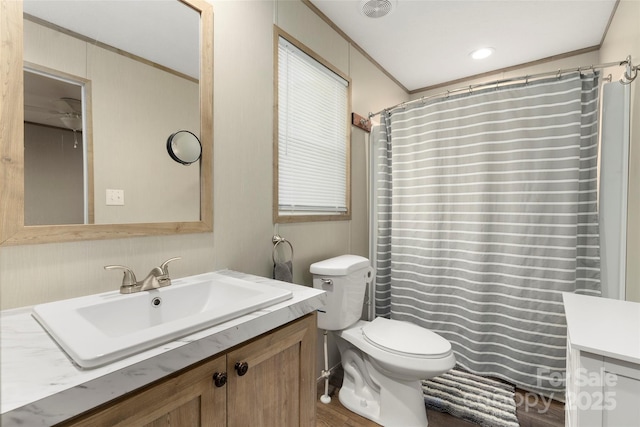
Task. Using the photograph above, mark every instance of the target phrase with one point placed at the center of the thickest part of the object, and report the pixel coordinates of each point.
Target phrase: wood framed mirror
(13, 230)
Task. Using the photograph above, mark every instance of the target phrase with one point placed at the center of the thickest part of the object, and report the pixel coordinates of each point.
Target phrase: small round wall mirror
(184, 147)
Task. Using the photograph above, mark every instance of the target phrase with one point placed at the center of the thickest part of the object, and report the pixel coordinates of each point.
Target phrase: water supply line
(325, 398)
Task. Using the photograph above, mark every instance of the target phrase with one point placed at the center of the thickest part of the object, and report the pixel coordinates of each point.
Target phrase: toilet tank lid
(339, 266)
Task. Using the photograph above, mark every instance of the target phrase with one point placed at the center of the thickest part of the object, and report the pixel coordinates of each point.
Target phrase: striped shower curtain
(486, 208)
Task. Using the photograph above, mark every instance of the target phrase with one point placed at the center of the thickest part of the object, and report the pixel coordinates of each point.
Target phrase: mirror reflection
(144, 84)
(55, 167)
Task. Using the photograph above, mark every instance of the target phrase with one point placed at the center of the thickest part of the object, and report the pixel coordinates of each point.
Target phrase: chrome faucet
(158, 277)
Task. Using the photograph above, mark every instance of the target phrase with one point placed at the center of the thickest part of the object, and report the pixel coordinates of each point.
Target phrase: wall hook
(361, 122)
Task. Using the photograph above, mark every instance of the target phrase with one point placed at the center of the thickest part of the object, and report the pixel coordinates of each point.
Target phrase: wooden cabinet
(279, 386)
(188, 399)
(270, 382)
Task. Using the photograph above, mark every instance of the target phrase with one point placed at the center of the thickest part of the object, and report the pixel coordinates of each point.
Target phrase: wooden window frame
(278, 216)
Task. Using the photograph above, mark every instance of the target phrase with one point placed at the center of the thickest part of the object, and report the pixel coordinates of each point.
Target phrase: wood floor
(531, 412)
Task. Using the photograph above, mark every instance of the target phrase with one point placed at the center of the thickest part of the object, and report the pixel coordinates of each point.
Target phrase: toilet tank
(345, 279)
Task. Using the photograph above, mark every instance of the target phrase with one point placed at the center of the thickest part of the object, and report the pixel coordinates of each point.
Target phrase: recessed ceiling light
(482, 53)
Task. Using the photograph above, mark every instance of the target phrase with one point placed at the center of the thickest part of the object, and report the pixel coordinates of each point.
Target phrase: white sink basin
(99, 329)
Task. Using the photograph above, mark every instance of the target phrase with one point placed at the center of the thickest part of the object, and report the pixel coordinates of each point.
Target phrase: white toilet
(383, 360)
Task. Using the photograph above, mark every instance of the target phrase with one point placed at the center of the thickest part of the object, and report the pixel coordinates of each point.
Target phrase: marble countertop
(41, 386)
(604, 326)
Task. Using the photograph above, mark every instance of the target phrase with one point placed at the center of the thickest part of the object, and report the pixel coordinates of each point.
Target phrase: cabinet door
(188, 399)
(624, 394)
(278, 388)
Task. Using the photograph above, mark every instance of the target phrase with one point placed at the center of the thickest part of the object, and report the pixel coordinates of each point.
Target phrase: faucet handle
(165, 265)
(129, 279)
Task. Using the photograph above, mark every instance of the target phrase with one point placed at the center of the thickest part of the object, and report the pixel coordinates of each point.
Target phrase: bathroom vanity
(268, 357)
(603, 362)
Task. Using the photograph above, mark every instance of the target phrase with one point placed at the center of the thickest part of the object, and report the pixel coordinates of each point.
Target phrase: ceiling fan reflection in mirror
(65, 110)
(71, 115)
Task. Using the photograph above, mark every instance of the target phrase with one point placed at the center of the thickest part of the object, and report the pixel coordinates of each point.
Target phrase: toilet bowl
(383, 369)
(384, 360)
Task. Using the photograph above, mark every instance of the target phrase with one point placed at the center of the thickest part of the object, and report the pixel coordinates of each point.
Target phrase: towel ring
(276, 241)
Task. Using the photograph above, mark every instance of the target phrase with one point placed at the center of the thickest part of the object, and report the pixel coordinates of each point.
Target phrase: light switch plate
(115, 197)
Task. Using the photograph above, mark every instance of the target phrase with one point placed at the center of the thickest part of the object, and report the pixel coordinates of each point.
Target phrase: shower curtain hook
(559, 74)
(629, 69)
(526, 79)
(627, 77)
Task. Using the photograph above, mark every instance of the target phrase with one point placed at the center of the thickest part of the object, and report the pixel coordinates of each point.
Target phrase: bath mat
(480, 400)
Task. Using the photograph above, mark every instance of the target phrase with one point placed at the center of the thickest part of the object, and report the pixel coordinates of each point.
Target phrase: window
(311, 147)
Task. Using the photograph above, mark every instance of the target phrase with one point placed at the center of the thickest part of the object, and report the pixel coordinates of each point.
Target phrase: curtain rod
(630, 74)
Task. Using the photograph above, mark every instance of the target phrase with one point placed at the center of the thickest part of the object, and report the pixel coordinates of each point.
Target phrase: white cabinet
(601, 391)
(625, 393)
(603, 362)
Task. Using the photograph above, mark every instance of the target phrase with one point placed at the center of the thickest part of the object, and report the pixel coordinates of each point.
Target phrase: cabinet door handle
(242, 368)
(220, 379)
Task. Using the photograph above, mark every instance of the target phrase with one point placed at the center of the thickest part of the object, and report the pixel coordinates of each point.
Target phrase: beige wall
(53, 176)
(135, 109)
(243, 228)
(622, 39)
(243, 125)
(542, 67)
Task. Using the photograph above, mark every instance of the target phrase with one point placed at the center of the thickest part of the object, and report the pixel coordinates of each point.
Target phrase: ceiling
(163, 32)
(423, 43)
(48, 101)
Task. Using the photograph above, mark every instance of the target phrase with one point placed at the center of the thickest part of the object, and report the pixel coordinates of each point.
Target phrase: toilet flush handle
(327, 282)
(369, 275)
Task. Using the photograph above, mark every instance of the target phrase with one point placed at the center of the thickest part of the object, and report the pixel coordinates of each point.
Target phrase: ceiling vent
(376, 8)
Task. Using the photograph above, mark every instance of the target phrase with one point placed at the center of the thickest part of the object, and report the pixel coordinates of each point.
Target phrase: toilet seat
(406, 339)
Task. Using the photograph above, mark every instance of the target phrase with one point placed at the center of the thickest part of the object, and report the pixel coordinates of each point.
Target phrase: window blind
(312, 135)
